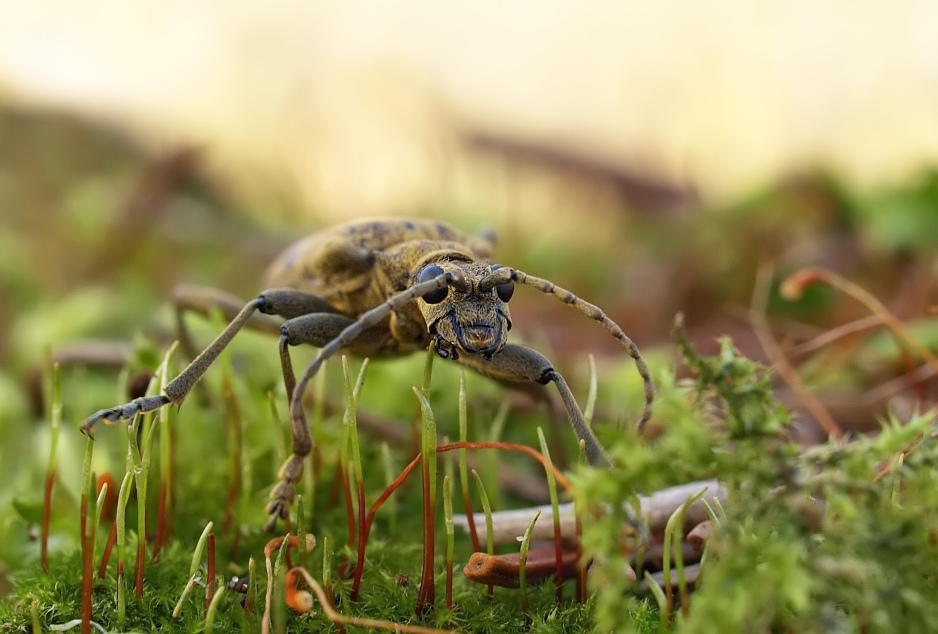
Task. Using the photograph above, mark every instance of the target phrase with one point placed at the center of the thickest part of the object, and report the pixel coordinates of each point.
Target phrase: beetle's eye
(506, 290)
(426, 274)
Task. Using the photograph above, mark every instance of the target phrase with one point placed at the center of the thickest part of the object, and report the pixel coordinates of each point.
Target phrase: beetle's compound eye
(506, 290)
(426, 274)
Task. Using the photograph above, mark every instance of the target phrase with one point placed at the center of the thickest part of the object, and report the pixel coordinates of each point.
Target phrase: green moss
(812, 541)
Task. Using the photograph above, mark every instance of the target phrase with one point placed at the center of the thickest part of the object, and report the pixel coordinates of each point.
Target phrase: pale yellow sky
(360, 105)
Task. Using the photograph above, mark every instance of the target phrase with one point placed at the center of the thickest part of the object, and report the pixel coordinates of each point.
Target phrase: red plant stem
(350, 513)
(86, 566)
(160, 521)
(46, 512)
(371, 517)
(106, 557)
(470, 518)
(561, 479)
(362, 536)
(138, 568)
(427, 596)
(172, 480)
(233, 426)
(210, 576)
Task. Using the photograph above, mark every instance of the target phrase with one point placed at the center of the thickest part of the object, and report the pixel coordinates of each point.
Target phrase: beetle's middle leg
(317, 330)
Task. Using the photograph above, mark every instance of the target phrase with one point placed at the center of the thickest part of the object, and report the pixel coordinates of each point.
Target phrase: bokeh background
(650, 156)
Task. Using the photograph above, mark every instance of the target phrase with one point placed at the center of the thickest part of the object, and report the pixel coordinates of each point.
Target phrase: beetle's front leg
(520, 364)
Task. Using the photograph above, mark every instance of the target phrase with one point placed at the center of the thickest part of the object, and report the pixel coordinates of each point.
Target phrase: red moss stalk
(450, 532)
(166, 467)
(427, 594)
(160, 520)
(350, 513)
(106, 556)
(210, 575)
(362, 537)
(233, 428)
(56, 422)
(46, 513)
(87, 552)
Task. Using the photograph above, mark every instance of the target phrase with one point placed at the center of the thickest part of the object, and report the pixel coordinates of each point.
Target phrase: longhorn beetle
(386, 288)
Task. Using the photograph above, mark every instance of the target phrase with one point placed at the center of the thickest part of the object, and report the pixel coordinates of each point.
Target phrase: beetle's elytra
(385, 288)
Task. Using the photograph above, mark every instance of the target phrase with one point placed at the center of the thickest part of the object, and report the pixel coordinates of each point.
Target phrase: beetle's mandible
(384, 288)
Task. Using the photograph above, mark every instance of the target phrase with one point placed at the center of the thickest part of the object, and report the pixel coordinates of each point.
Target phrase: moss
(812, 541)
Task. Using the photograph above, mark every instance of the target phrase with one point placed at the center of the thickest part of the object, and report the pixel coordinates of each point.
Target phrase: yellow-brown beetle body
(359, 265)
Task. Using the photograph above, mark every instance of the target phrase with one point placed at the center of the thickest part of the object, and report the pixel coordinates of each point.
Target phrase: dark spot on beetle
(443, 229)
(409, 225)
(400, 287)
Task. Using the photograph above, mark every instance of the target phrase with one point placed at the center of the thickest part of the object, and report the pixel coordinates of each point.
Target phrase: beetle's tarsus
(126, 411)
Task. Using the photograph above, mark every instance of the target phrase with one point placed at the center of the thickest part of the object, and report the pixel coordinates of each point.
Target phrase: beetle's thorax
(469, 320)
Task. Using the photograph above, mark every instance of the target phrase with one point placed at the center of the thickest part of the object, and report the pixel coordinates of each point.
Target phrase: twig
(774, 352)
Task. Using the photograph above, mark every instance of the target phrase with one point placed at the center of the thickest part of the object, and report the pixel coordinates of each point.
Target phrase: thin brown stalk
(337, 618)
(233, 427)
(87, 538)
(793, 287)
(106, 556)
(46, 515)
(350, 514)
(425, 598)
(362, 536)
(56, 423)
(856, 327)
(777, 357)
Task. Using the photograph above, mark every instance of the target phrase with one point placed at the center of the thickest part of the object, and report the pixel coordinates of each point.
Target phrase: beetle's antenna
(507, 274)
(371, 318)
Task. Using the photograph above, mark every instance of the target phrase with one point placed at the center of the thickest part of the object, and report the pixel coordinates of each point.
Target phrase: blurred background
(649, 156)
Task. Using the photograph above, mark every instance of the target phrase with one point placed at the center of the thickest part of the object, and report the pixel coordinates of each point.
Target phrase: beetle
(379, 288)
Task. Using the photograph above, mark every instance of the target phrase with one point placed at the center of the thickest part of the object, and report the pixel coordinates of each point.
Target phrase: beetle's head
(464, 317)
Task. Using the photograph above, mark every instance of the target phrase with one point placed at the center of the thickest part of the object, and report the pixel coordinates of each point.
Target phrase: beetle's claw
(440, 350)
(123, 412)
(277, 510)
